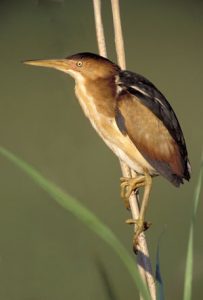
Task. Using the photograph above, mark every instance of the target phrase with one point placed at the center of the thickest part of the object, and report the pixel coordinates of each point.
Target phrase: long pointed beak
(59, 64)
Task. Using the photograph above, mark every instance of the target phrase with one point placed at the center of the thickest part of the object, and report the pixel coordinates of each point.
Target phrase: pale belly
(108, 130)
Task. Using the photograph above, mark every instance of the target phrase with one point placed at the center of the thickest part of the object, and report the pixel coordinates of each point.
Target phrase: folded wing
(146, 116)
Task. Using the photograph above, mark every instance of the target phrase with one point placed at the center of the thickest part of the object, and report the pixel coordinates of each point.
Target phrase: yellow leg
(127, 186)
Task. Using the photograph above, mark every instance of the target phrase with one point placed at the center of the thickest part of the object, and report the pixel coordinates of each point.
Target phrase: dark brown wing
(152, 98)
(150, 122)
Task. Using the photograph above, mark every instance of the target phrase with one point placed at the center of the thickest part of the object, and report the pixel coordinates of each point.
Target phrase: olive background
(45, 253)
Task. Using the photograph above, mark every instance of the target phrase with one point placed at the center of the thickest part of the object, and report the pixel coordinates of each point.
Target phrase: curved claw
(145, 225)
(128, 185)
(141, 227)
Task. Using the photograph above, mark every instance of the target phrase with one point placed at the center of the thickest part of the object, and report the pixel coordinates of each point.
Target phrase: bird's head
(82, 65)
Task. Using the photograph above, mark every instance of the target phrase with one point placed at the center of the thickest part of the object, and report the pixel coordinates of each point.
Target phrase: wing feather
(152, 125)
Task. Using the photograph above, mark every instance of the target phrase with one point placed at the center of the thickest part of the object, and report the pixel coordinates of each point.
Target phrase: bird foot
(141, 227)
(128, 185)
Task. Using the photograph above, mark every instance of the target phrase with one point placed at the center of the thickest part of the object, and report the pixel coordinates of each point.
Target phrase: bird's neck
(100, 93)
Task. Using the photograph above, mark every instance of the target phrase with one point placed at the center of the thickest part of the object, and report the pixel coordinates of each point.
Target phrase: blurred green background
(45, 253)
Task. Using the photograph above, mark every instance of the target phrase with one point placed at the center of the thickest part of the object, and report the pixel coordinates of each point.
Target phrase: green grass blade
(84, 215)
(189, 258)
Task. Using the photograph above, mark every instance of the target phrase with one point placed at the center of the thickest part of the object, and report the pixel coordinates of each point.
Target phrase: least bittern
(132, 117)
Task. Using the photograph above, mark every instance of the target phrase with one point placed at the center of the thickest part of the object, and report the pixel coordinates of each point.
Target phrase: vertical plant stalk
(99, 28)
(143, 253)
(143, 260)
(190, 248)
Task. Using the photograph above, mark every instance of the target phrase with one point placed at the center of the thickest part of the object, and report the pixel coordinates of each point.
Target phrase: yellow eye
(79, 64)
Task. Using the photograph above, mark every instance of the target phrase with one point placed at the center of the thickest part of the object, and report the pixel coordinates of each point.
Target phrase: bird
(133, 118)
